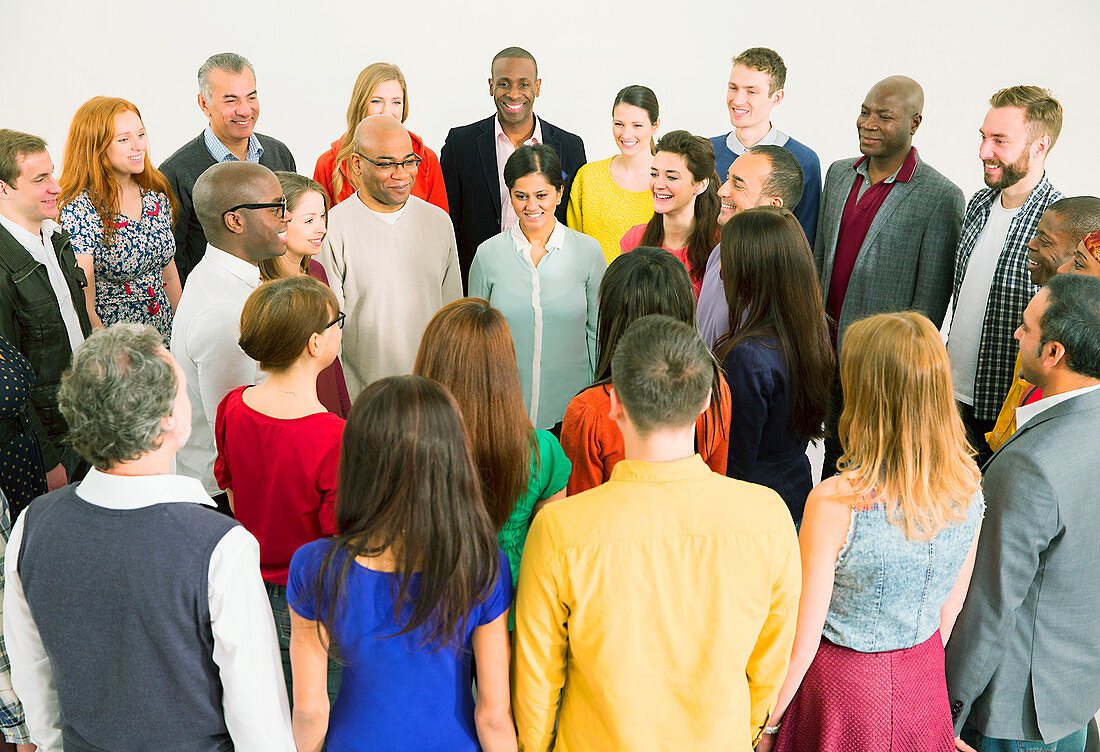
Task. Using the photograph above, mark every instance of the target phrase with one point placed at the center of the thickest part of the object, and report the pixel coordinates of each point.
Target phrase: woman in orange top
(380, 89)
(646, 280)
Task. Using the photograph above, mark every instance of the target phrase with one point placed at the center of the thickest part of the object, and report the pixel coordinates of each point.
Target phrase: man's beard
(1011, 174)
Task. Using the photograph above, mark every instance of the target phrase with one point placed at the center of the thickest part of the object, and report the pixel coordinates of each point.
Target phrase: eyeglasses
(338, 321)
(280, 205)
(410, 165)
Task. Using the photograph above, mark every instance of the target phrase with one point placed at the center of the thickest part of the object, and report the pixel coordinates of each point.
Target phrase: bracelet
(771, 730)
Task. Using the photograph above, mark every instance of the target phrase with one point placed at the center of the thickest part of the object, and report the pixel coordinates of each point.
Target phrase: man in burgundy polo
(888, 226)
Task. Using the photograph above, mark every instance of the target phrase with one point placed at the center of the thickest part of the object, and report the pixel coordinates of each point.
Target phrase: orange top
(429, 178)
(594, 444)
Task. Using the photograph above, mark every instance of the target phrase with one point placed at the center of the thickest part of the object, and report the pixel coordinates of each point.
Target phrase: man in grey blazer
(888, 225)
(1023, 661)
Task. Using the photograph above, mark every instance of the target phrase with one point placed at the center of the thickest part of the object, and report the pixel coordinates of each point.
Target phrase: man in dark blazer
(888, 226)
(473, 156)
(1023, 661)
(228, 98)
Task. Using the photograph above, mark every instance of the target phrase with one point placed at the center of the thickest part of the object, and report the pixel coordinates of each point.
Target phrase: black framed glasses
(280, 205)
(338, 321)
(410, 164)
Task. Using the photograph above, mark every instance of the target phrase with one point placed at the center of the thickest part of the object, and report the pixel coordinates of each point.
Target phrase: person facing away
(228, 98)
(659, 607)
(474, 155)
(755, 88)
(42, 311)
(243, 211)
(763, 176)
(389, 256)
(1023, 659)
(129, 586)
(887, 549)
(278, 446)
(776, 352)
(992, 285)
(410, 593)
(118, 210)
(637, 284)
(13, 722)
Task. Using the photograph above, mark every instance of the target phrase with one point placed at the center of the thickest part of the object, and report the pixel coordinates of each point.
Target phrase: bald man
(888, 226)
(390, 257)
(243, 214)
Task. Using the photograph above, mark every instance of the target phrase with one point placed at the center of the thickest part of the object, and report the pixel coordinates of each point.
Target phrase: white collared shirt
(246, 651)
(505, 149)
(773, 137)
(1024, 413)
(41, 249)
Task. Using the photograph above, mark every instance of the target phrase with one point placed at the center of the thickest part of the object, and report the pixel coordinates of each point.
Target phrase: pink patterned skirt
(894, 701)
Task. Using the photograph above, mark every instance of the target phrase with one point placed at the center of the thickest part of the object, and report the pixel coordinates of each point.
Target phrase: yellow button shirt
(599, 208)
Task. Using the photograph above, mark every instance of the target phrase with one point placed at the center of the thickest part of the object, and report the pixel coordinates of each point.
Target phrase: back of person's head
(514, 53)
(229, 62)
(636, 284)
(368, 80)
(219, 188)
(662, 373)
(295, 186)
(407, 484)
(1072, 318)
(903, 438)
(281, 316)
(468, 348)
(117, 394)
(1079, 215)
(531, 159)
(15, 146)
(768, 61)
(772, 291)
(1042, 112)
(786, 179)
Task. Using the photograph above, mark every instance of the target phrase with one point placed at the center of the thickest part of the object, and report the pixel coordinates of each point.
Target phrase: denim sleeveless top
(888, 590)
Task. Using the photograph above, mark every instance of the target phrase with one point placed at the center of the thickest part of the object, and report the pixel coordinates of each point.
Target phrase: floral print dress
(129, 275)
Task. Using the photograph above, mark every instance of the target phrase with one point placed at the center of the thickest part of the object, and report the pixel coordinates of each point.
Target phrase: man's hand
(25, 748)
(962, 746)
(57, 478)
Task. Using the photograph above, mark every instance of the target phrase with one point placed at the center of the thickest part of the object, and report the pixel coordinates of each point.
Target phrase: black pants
(976, 429)
(833, 449)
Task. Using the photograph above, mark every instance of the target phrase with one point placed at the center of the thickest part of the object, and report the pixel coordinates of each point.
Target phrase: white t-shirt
(389, 218)
(966, 325)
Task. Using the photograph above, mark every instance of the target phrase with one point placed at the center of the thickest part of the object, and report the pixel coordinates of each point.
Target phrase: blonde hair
(902, 435)
(370, 78)
(1042, 112)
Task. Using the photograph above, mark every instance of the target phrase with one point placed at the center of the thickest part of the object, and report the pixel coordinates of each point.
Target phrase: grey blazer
(907, 260)
(1023, 661)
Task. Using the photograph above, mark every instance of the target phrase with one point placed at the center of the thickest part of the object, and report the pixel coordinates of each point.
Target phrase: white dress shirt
(505, 149)
(1024, 413)
(246, 651)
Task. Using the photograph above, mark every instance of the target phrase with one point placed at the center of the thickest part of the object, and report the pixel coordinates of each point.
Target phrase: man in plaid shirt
(992, 286)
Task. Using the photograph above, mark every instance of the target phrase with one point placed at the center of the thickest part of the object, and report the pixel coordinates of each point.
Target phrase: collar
(220, 152)
(556, 241)
(1027, 412)
(49, 227)
(660, 472)
(903, 174)
(138, 491)
(536, 137)
(1036, 200)
(774, 137)
(238, 267)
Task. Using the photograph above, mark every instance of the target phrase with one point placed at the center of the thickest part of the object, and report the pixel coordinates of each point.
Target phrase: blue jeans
(279, 608)
(1075, 742)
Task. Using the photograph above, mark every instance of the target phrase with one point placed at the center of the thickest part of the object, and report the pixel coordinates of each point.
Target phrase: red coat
(429, 178)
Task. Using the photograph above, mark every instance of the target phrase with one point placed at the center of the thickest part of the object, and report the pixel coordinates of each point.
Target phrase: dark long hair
(468, 348)
(699, 156)
(772, 291)
(407, 484)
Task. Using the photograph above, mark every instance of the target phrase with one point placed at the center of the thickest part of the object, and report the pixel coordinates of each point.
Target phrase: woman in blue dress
(118, 210)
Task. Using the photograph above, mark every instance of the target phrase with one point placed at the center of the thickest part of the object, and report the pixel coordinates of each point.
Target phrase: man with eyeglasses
(243, 214)
(390, 257)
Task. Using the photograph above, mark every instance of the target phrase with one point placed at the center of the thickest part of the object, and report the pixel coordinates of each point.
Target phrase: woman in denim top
(887, 551)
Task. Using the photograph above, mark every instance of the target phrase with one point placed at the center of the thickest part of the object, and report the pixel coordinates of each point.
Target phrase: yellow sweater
(598, 207)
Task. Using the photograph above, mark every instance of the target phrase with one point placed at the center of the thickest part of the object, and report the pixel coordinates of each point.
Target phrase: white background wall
(56, 55)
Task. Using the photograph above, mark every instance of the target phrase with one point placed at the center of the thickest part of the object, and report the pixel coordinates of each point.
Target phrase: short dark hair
(16, 145)
(786, 179)
(768, 61)
(1073, 319)
(531, 158)
(1080, 215)
(515, 53)
(662, 373)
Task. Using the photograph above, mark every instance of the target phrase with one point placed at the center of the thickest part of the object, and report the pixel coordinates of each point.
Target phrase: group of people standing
(657, 336)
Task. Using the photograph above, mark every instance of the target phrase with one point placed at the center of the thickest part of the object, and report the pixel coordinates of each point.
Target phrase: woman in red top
(644, 281)
(380, 89)
(278, 447)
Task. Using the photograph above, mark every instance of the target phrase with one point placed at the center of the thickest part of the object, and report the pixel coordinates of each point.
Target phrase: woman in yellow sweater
(612, 195)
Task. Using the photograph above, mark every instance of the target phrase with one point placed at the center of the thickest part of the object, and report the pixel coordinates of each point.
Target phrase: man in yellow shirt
(659, 607)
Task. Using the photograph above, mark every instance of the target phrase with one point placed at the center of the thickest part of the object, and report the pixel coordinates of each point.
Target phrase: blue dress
(22, 476)
(129, 275)
(394, 694)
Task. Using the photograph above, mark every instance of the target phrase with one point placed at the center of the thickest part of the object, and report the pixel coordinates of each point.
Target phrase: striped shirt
(220, 152)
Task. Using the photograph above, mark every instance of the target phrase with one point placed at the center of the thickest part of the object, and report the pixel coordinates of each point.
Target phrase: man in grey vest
(135, 618)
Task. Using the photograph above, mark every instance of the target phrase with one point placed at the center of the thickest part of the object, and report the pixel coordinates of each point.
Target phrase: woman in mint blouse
(545, 279)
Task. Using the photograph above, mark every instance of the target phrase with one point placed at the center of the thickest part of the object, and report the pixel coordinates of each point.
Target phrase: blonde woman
(379, 89)
(887, 550)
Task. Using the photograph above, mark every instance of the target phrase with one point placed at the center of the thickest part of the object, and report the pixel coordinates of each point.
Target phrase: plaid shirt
(221, 153)
(11, 711)
(1008, 295)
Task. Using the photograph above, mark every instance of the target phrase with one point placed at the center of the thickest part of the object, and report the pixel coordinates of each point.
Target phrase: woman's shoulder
(582, 241)
(422, 150)
(599, 170)
(78, 206)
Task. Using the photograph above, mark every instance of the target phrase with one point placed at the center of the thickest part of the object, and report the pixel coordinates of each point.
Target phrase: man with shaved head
(390, 257)
(888, 226)
(243, 214)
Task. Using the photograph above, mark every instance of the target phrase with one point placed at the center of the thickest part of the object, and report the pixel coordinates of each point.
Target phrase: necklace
(284, 391)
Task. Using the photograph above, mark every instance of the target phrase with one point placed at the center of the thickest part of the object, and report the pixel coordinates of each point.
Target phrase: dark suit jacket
(469, 162)
(182, 170)
(1023, 661)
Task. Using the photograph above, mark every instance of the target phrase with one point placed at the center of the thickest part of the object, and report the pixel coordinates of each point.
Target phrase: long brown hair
(86, 167)
(468, 348)
(368, 80)
(407, 484)
(280, 316)
(698, 154)
(772, 291)
(902, 435)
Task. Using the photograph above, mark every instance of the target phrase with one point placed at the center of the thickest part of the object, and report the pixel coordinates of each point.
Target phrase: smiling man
(473, 156)
(228, 98)
(390, 257)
